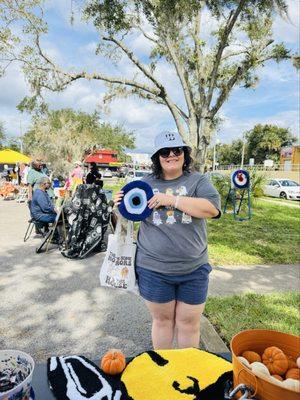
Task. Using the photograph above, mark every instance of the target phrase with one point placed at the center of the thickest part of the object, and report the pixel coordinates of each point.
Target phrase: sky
(275, 100)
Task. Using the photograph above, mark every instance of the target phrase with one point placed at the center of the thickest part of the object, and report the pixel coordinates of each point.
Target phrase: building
(290, 158)
(141, 159)
(104, 158)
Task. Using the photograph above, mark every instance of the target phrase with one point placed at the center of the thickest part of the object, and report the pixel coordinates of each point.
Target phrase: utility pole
(217, 141)
(21, 138)
(243, 151)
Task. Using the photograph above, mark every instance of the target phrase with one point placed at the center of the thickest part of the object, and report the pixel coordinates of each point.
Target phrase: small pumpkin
(292, 362)
(259, 369)
(275, 360)
(251, 356)
(113, 362)
(293, 373)
(291, 384)
(278, 377)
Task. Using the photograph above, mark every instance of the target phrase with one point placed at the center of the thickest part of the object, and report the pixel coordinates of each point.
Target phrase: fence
(260, 167)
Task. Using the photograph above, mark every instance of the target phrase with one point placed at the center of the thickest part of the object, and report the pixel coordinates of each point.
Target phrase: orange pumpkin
(275, 360)
(293, 373)
(278, 377)
(113, 362)
(292, 362)
(251, 356)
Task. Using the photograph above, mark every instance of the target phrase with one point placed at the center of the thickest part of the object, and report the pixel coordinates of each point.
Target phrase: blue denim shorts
(160, 288)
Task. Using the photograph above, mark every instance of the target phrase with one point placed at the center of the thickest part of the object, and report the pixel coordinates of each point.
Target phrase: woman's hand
(161, 200)
(118, 197)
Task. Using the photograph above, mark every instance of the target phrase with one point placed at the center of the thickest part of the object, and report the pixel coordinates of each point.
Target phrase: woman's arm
(195, 207)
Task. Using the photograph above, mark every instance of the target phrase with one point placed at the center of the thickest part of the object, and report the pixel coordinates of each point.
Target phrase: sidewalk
(53, 305)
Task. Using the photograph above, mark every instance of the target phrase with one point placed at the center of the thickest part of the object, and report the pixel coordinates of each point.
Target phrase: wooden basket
(258, 340)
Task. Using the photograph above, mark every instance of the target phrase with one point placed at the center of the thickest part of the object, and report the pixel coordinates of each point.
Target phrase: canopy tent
(8, 156)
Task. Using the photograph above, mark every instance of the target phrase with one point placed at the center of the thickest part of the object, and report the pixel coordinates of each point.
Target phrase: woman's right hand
(118, 197)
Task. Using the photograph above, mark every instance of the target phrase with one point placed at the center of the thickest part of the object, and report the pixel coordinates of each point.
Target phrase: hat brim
(134, 205)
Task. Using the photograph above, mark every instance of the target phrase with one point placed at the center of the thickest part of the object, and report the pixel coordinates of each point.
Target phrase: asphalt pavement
(51, 305)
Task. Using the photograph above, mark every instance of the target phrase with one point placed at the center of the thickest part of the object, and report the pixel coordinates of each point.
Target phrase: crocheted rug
(184, 374)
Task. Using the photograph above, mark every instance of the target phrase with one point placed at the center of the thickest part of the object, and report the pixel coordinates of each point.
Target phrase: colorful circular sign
(240, 179)
(134, 205)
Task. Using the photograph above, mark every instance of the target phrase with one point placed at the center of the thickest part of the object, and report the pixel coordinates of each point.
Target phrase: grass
(230, 315)
(270, 236)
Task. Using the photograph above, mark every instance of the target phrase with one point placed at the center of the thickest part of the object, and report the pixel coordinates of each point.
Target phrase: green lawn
(230, 315)
(271, 236)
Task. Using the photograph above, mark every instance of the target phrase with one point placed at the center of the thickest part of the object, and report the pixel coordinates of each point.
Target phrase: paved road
(53, 305)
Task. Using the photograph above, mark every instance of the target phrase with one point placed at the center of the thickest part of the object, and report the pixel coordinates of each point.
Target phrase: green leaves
(63, 136)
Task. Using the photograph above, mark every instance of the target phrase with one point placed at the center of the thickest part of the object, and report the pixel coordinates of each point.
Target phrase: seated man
(41, 207)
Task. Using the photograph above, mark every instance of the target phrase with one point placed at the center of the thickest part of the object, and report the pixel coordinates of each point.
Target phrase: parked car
(107, 174)
(136, 175)
(283, 188)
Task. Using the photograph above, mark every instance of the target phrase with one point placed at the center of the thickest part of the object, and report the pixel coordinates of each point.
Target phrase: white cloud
(288, 30)
(234, 127)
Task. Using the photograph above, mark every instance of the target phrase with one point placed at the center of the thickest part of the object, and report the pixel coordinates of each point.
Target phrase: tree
(230, 153)
(2, 135)
(13, 144)
(265, 142)
(64, 136)
(208, 64)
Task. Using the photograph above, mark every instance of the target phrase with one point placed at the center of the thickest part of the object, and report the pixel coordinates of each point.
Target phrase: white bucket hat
(167, 139)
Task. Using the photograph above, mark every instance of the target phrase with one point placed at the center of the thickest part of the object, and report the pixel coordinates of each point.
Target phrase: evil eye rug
(184, 374)
(134, 205)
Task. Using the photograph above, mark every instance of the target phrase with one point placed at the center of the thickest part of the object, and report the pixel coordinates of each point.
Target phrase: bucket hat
(167, 139)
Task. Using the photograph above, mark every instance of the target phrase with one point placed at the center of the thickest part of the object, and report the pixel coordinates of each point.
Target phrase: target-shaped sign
(240, 179)
(134, 205)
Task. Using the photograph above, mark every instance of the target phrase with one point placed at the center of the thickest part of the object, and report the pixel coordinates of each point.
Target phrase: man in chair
(41, 206)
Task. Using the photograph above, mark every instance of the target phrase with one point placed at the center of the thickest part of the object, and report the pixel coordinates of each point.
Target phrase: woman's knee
(188, 317)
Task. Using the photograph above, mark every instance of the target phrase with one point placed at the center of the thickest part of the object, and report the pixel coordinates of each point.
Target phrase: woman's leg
(163, 322)
(187, 320)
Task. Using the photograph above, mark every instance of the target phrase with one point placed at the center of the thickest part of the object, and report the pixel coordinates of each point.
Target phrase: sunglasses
(165, 152)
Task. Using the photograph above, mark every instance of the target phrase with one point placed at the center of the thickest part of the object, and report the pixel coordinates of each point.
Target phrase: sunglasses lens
(164, 152)
(177, 151)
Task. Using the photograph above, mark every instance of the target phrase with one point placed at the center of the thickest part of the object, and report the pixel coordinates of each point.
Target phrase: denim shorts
(160, 288)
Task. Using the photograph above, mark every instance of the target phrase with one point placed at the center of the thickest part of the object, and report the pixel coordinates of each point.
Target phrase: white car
(283, 188)
(136, 175)
(107, 174)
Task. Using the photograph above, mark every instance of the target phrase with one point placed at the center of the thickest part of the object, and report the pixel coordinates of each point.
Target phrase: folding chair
(31, 224)
(48, 238)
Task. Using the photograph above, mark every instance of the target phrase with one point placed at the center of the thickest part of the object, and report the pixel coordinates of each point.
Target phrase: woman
(76, 176)
(94, 176)
(172, 261)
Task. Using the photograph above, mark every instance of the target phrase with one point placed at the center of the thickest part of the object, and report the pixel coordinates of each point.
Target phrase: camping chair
(54, 236)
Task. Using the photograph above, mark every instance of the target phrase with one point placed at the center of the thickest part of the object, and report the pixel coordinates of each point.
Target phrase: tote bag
(117, 270)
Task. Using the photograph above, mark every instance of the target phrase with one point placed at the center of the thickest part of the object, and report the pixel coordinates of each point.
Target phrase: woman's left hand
(161, 200)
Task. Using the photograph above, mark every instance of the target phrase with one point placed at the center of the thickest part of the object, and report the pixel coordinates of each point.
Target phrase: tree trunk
(204, 133)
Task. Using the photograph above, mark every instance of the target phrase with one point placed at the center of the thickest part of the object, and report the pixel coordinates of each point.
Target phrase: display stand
(239, 192)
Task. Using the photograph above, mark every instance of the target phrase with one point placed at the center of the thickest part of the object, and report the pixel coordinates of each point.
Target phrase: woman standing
(76, 176)
(172, 261)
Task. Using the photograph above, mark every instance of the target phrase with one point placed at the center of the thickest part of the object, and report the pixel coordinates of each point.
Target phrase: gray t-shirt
(170, 241)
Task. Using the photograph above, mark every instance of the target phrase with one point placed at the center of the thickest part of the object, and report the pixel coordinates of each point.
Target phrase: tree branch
(198, 53)
(152, 39)
(187, 91)
(135, 60)
(222, 44)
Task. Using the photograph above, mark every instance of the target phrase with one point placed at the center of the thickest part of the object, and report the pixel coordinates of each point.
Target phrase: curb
(210, 338)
